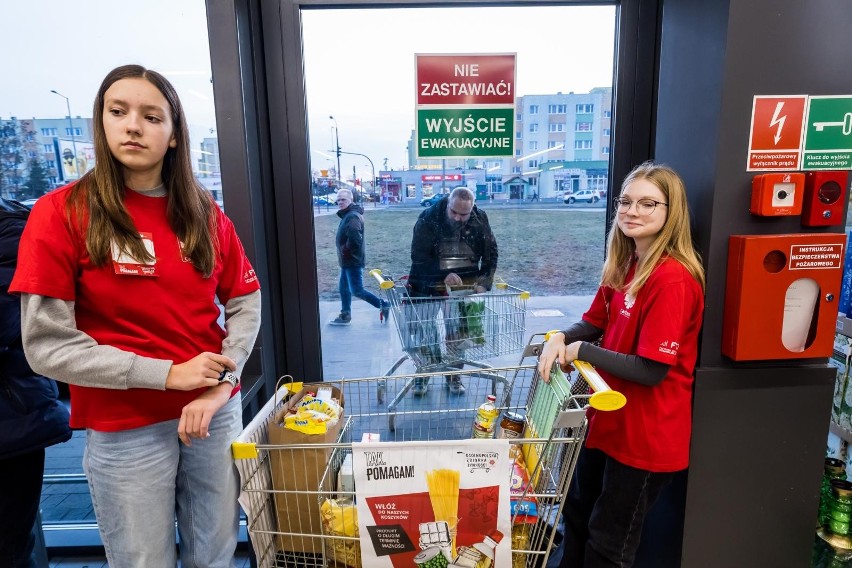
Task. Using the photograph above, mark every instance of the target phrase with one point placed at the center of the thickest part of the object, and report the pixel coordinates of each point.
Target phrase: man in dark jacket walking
(351, 257)
(31, 417)
(452, 245)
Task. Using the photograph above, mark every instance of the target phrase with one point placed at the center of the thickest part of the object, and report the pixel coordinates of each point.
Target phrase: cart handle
(503, 286)
(604, 398)
(387, 283)
(384, 284)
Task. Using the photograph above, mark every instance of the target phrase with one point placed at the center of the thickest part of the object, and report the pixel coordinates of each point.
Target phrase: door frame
(256, 56)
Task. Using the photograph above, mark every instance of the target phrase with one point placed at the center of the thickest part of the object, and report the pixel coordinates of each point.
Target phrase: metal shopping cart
(456, 331)
(555, 424)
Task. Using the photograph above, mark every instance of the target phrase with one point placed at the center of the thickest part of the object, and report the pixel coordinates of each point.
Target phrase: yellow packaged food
(306, 425)
(340, 518)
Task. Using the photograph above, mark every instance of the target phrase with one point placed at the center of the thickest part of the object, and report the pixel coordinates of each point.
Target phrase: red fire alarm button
(774, 195)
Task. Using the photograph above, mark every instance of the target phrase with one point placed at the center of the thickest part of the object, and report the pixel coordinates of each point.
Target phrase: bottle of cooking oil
(486, 418)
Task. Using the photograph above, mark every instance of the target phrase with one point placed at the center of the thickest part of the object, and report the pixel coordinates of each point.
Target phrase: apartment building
(562, 143)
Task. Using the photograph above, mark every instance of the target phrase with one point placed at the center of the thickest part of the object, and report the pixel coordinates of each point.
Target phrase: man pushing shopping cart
(453, 247)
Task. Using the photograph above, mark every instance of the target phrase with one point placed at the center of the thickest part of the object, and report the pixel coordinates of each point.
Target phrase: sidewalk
(367, 348)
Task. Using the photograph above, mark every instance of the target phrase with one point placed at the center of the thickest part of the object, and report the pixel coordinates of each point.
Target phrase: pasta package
(306, 424)
(443, 485)
(340, 518)
(312, 415)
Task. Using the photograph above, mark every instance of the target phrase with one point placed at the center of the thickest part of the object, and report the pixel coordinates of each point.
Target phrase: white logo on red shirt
(183, 256)
(628, 305)
(249, 276)
(669, 348)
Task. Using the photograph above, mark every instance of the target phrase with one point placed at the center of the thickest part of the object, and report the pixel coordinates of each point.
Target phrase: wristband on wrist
(229, 377)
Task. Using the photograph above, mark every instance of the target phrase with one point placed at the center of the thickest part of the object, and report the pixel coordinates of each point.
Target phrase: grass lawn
(549, 252)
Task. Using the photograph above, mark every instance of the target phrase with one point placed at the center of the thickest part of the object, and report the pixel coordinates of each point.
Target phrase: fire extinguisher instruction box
(811, 257)
(781, 296)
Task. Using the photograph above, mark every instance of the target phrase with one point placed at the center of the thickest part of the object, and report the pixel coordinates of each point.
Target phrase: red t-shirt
(171, 315)
(652, 430)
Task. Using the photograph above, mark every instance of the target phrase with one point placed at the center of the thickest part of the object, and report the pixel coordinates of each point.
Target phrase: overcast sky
(359, 64)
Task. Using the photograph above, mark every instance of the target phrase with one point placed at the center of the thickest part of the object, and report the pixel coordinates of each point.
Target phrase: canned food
(432, 557)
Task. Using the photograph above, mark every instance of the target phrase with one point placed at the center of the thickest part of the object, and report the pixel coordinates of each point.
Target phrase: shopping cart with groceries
(458, 330)
(301, 499)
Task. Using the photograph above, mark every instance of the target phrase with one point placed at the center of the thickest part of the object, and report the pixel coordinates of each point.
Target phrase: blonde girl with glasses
(646, 315)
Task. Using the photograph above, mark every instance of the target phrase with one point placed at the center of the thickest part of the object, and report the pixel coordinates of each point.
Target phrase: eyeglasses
(644, 207)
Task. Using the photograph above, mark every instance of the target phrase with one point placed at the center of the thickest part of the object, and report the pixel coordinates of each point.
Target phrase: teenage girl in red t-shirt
(647, 315)
(119, 274)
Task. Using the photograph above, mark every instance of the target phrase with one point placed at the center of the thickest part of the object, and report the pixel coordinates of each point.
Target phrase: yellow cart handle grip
(384, 283)
(604, 398)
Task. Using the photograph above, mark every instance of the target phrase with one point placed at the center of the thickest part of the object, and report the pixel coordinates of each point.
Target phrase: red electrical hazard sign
(775, 136)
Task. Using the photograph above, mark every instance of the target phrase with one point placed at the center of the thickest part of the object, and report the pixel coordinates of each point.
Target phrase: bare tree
(11, 158)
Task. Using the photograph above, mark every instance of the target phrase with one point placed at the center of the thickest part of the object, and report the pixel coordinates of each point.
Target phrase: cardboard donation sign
(443, 503)
(301, 469)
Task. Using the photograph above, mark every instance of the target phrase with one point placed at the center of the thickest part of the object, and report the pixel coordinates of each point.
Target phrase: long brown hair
(674, 239)
(99, 195)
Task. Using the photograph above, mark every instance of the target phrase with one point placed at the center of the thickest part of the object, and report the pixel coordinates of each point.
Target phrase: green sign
(828, 133)
(461, 132)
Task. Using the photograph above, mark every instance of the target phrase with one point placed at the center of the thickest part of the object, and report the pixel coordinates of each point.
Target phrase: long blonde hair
(99, 195)
(674, 239)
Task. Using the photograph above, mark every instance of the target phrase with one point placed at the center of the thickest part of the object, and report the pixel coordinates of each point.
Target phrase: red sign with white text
(447, 177)
(474, 79)
(775, 137)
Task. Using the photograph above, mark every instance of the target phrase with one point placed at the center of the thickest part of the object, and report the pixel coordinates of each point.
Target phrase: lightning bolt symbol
(778, 120)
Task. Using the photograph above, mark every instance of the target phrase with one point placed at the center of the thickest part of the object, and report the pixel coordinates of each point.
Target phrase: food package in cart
(340, 518)
(301, 469)
(313, 414)
(464, 318)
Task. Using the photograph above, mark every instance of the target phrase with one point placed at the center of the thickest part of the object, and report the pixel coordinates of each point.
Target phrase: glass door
(545, 198)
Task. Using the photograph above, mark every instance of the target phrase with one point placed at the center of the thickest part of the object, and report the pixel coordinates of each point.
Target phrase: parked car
(429, 201)
(330, 199)
(582, 196)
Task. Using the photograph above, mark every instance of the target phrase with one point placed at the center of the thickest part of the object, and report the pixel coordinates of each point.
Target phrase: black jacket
(31, 417)
(437, 250)
(350, 237)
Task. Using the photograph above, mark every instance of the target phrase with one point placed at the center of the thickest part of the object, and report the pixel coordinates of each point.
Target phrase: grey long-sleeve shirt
(56, 348)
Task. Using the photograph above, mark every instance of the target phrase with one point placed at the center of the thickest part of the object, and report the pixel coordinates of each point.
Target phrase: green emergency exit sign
(828, 133)
(465, 132)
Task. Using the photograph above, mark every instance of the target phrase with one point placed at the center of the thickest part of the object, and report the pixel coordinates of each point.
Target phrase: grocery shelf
(841, 432)
(844, 325)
